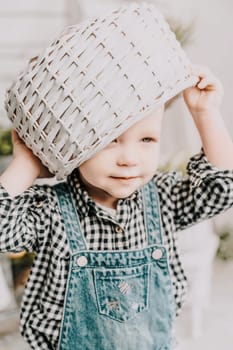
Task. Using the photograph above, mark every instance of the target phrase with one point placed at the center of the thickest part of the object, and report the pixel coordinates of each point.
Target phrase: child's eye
(147, 139)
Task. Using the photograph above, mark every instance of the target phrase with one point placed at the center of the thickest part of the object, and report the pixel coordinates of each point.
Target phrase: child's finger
(206, 82)
(205, 75)
(210, 83)
(207, 79)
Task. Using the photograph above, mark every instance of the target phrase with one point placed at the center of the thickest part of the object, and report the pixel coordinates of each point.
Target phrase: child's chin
(124, 194)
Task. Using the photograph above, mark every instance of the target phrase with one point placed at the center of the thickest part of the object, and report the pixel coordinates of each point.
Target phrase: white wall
(211, 45)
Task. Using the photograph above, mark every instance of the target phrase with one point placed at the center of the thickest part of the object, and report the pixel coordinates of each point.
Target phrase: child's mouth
(126, 178)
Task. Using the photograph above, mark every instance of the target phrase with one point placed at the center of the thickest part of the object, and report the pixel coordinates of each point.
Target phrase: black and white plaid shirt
(32, 221)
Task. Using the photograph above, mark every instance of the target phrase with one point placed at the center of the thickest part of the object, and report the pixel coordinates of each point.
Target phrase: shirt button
(157, 254)
(82, 261)
(118, 229)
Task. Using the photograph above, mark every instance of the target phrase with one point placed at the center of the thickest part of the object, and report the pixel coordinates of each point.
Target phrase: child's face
(126, 164)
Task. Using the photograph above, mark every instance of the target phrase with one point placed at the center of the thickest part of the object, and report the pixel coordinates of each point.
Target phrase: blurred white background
(26, 26)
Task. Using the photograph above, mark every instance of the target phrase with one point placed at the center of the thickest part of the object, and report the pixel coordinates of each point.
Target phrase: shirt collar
(82, 199)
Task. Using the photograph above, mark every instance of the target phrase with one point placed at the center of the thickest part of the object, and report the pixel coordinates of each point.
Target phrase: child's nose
(128, 157)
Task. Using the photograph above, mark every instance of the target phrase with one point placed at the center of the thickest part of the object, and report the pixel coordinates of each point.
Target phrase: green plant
(183, 32)
(225, 249)
(5, 142)
(177, 162)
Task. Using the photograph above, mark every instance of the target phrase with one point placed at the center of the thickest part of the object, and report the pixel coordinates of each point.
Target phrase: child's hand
(20, 151)
(206, 96)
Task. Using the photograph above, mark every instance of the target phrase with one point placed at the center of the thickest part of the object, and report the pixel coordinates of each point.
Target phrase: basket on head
(93, 82)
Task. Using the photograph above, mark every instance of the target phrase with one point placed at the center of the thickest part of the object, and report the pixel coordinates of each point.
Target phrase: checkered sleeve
(205, 192)
(21, 219)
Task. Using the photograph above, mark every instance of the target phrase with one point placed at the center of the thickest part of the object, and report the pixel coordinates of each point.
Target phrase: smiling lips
(124, 177)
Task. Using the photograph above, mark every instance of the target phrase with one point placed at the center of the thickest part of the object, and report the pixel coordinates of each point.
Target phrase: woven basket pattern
(95, 81)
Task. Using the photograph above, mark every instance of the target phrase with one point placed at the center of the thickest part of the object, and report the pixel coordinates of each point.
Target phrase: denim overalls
(117, 300)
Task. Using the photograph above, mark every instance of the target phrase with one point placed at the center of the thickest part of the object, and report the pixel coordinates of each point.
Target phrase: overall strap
(152, 214)
(72, 224)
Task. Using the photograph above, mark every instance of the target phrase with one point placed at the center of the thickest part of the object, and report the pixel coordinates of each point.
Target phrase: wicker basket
(95, 81)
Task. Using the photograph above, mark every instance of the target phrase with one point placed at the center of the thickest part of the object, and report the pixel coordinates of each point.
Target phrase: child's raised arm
(23, 170)
(203, 102)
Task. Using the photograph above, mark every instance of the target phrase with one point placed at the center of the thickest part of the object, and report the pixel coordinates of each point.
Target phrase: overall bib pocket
(122, 293)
